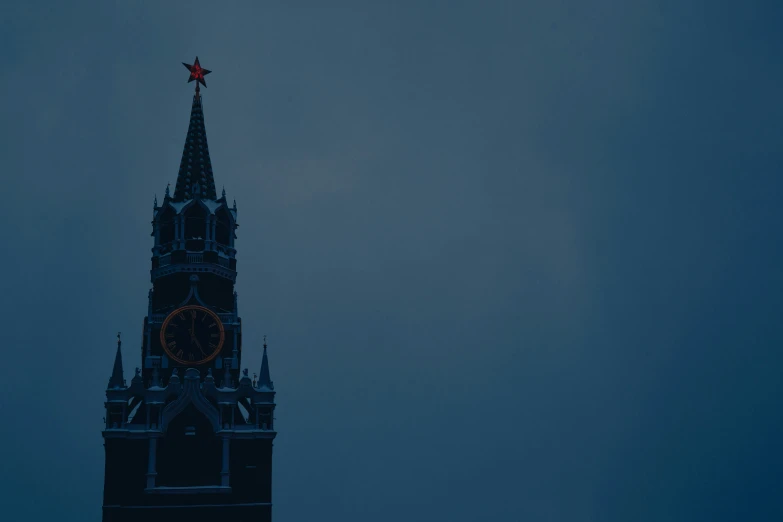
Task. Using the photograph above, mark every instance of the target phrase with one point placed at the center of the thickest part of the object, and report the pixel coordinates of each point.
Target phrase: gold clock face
(192, 335)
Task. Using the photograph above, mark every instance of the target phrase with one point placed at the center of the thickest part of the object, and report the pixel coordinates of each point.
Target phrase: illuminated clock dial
(192, 335)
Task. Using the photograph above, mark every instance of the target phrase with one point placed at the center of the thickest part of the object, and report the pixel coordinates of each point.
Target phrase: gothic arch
(196, 222)
(191, 394)
(166, 225)
(189, 205)
(224, 226)
(190, 453)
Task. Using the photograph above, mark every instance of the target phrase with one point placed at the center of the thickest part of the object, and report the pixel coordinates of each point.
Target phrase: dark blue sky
(516, 260)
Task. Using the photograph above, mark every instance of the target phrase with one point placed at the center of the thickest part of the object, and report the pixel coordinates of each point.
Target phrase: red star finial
(197, 73)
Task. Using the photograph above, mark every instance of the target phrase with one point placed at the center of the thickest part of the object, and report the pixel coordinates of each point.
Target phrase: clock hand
(199, 345)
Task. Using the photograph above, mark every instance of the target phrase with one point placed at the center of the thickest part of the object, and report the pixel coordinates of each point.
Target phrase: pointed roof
(195, 167)
(263, 378)
(116, 380)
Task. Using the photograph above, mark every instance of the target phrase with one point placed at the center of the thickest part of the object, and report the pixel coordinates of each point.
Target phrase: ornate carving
(191, 394)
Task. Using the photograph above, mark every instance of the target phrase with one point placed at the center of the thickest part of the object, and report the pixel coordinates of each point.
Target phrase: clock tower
(191, 437)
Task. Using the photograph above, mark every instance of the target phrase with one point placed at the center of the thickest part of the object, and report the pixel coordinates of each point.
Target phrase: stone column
(149, 329)
(151, 473)
(210, 234)
(224, 473)
(235, 351)
(181, 228)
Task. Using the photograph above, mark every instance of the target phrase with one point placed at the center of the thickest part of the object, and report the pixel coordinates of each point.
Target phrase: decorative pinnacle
(155, 203)
(224, 191)
(116, 380)
(197, 73)
(167, 189)
(264, 379)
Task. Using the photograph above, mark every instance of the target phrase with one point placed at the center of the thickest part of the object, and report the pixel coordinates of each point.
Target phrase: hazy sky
(516, 261)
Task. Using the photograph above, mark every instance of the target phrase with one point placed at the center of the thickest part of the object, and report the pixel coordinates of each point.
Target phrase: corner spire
(263, 379)
(117, 380)
(195, 168)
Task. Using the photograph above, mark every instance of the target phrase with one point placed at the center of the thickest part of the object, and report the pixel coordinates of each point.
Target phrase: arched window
(166, 226)
(195, 228)
(195, 223)
(223, 227)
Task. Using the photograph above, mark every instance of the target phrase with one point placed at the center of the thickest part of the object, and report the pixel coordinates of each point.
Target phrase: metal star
(197, 73)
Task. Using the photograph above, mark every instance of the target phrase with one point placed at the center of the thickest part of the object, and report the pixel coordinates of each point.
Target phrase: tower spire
(195, 168)
(263, 378)
(117, 380)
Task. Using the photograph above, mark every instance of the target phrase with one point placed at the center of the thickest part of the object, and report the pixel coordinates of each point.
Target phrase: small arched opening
(195, 228)
(166, 226)
(223, 227)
